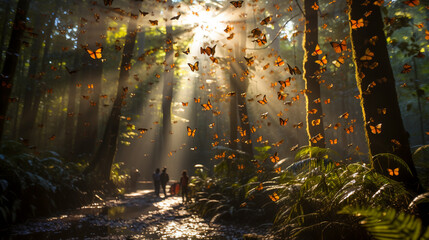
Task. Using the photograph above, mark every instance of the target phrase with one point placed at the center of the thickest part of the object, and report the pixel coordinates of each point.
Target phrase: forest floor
(138, 215)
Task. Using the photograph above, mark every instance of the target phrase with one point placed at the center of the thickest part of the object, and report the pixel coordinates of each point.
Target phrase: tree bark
(102, 162)
(4, 28)
(312, 87)
(11, 59)
(377, 88)
(25, 129)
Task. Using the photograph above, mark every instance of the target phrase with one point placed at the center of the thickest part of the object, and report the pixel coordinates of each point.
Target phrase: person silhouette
(156, 181)
(164, 180)
(184, 185)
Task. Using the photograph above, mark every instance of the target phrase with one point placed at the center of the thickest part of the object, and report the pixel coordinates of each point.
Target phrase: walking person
(164, 180)
(184, 184)
(156, 181)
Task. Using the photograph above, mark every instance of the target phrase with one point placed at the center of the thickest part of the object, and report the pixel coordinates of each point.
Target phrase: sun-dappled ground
(137, 215)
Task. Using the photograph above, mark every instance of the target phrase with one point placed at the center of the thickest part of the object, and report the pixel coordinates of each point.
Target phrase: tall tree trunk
(315, 129)
(11, 60)
(103, 159)
(71, 105)
(25, 129)
(167, 91)
(87, 123)
(233, 123)
(4, 29)
(385, 133)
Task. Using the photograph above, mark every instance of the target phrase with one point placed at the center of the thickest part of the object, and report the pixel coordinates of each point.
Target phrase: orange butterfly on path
(207, 106)
(95, 54)
(412, 3)
(263, 101)
(376, 129)
(191, 133)
(194, 67)
(283, 122)
(237, 4)
(317, 51)
(339, 47)
(274, 197)
(394, 172)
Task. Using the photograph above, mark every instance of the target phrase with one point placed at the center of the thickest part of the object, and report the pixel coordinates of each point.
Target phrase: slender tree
(11, 60)
(384, 129)
(103, 159)
(314, 113)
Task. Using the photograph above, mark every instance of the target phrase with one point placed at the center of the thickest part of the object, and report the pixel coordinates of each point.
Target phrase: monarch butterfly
(327, 101)
(293, 71)
(256, 32)
(274, 197)
(176, 17)
(266, 20)
(210, 51)
(335, 141)
(95, 54)
(315, 122)
(368, 55)
(412, 3)
(261, 41)
(260, 187)
(378, 2)
(142, 130)
(294, 148)
(143, 13)
(252, 129)
(316, 138)
(153, 22)
(393, 172)
(349, 129)
(344, 115)
(339, 61)
(231, 36)
(357, 24)
(322, 61)
(249, 61)
(240, 166)
(283, 122)
(312, 111)
(278, 170)
(339, 47)
(298, 125)
(280, 96)
(427, 34)
(186, 51)
(207, 106)
(279, 62)
(108, 2)
(376, 129)
(215, 60)
(194, 67)
(317, 51)
(228, 29)
(285, 83)
(263, 101)
(382, 111)
(185, 104)
(237, 4)
(407, 68)
(191, 133)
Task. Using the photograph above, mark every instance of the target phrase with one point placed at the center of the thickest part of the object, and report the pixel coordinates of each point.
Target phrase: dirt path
(137, 216)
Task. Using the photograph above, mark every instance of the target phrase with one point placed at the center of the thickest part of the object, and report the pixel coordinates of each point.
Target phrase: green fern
(388, 224)
(315, 152)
